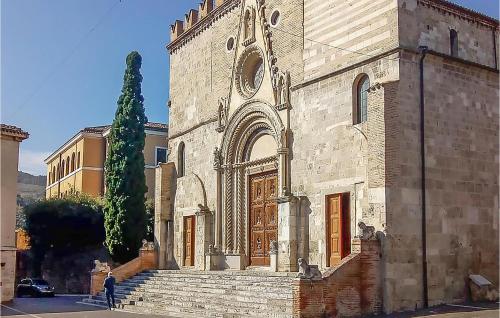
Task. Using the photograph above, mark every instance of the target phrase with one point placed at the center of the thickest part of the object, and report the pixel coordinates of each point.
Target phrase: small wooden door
(338, 231)
(263, 216)
(189, 230)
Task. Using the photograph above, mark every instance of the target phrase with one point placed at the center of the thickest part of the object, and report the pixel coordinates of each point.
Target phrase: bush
(63, 226)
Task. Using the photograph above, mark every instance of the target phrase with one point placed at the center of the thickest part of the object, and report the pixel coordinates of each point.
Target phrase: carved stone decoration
(307, 271)
(223, 114)
(273, 247)
(366, 232)
(249, 26)
(147, 246)
(217, 159)
(100, 267)
(281, 85)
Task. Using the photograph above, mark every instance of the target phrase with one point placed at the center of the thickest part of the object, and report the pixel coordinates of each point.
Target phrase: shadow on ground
(471, 310)
(57, 304)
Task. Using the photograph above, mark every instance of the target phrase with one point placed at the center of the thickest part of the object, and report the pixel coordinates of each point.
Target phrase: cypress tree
(125, 215)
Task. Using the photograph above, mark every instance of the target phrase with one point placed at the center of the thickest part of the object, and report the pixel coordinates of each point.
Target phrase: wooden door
(263, 216)
(189, 230)
(337, 228)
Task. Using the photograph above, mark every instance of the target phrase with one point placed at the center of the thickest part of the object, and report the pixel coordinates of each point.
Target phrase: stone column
(203, 237)
(164, 196)
(218, 208)
(287, 234)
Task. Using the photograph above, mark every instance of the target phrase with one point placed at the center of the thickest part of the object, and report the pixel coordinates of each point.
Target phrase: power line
(66, 58)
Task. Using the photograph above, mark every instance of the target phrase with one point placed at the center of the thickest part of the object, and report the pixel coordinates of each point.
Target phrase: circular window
(230, 44)
(275, 18)
(250, 72)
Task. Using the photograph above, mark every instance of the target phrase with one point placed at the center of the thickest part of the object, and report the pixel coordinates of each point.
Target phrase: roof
(100, 131)
(147, 126)
(13, 131)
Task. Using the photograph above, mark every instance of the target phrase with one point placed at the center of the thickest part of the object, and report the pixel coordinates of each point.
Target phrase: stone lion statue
(367, 231)
(101, 267)
(307, 271)
(147, 245)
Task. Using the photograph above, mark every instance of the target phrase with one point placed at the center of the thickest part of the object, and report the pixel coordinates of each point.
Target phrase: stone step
(205, 294)
(163, 298)
(212, 309)
(218, 284)
(191, 273)
(262, 291)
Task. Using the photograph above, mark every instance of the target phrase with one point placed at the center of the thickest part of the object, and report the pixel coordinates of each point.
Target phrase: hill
(29, 188)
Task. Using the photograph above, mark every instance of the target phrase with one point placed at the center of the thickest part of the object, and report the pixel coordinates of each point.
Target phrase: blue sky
(60, 74)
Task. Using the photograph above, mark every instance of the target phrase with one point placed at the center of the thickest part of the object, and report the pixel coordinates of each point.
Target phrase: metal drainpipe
(423, 52)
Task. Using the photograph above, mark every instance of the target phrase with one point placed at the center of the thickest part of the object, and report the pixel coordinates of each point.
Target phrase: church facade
(292, 122)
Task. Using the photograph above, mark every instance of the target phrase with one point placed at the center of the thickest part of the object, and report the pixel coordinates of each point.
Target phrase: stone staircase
(189, 293)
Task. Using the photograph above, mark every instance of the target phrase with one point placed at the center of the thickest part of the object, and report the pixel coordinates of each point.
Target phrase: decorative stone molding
(180, 37)
(249, 71)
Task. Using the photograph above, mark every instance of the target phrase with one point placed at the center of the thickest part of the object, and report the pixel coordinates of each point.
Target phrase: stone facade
(10, 138)
(255, 91)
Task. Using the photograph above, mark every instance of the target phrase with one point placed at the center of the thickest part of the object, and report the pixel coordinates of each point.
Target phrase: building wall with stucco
(10, 139)
(86, 173)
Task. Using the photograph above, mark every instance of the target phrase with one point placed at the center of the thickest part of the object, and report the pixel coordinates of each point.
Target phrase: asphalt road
(68, 307)
(60, 307)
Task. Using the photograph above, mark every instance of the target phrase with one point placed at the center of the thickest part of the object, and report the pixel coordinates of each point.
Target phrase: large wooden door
(189, 230)
(337, 228)
(263, 216)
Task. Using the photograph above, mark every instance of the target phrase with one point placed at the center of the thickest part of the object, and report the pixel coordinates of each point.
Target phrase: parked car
(34, 287)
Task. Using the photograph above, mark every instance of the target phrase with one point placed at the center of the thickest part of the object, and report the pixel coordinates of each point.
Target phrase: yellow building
(11, 136)
(78, 165)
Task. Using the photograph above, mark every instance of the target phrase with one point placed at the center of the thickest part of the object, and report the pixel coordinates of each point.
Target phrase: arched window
(49, 179)
(181, 158)
(54, 174)
(73, 164)
(67, 165)
(360, 109)
(78, 160)
(58, 171)
(453, 42)
(62, 168)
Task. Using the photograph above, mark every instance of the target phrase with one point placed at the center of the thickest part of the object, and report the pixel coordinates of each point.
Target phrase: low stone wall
(352, 288)
(147, 259)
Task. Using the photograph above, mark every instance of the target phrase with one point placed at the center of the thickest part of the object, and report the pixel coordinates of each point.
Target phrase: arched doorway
(250, 179)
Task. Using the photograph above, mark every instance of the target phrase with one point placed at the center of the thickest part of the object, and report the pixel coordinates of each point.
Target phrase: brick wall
(353, 288)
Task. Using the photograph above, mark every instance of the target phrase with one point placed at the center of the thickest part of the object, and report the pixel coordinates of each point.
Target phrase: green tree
(125, 216)
(63, 226)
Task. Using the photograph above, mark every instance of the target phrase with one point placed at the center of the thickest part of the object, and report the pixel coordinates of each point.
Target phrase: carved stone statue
(367, 232)
(282, 89)
(222, 114)
(101, 267)
(307, 271)
(147, 245)
(217, 158)
(273, 247)
(249, 27)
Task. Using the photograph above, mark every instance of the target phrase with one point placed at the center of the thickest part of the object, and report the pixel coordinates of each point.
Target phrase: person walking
(109, 290)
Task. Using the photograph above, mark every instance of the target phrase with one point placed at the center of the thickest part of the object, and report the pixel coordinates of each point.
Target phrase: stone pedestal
(203, 237)
(273, 255)
(235, 261)
(287, 234)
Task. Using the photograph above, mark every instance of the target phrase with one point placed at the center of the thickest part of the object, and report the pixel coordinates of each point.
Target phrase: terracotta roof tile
(13, 131)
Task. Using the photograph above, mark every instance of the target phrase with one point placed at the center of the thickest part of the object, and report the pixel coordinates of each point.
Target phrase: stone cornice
(462, 12)
(202, 25)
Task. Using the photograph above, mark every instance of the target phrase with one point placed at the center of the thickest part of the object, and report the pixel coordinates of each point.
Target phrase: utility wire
(66, 58)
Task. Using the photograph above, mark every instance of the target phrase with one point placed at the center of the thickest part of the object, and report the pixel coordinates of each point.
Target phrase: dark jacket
(109, 284)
